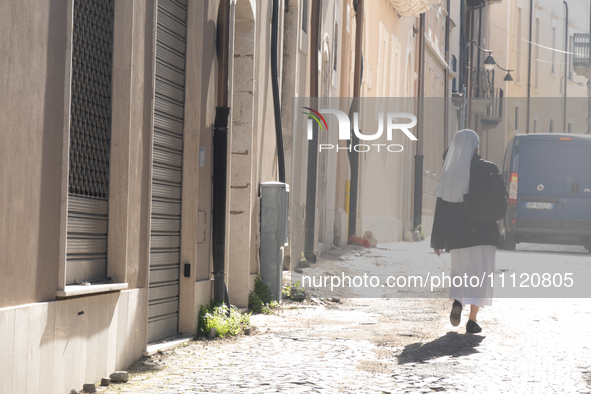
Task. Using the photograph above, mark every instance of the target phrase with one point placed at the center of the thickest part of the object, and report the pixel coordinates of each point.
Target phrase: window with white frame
(385, 66)
(382, 71)
(518, 46)
(570, 58)
(394, 66)
(553, 66)
(537, 56)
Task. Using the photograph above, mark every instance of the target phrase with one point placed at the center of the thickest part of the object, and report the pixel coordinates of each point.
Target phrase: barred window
(90, 126)
(90, 136)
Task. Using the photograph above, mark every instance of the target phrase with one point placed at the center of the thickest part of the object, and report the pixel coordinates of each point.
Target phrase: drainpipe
(479, 38)
(353, 155)
(464, 66)
(220, 157)
(313, 143)
(479, 81)
(531, 15)
(588, 83)
(565, 65)
(462, 60)
(446, 95)
(469, 63)
(418, 187)
(275, 85)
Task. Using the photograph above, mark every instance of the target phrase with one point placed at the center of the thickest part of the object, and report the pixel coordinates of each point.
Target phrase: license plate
(539, 205)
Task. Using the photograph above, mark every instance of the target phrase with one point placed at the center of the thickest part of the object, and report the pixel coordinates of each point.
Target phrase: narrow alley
(396, 345)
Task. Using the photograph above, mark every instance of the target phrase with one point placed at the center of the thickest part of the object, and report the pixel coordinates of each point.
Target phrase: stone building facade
(106, 177)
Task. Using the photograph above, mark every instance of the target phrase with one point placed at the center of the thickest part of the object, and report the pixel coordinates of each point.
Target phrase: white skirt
(469, 264)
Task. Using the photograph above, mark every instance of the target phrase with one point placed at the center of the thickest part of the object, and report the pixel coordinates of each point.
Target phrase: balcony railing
(487, 100)
(483, 83)
(581, 53)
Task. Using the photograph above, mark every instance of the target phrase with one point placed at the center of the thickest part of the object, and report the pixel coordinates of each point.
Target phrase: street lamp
(508, 77)
(489, 63)
(479, 47)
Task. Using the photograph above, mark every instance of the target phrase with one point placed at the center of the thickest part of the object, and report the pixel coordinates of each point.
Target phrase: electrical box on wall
(274, 237)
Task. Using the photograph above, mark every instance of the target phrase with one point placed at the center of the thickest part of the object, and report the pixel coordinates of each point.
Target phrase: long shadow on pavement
(451, 344)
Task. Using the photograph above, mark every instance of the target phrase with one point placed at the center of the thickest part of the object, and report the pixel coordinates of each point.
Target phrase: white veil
(455, 175)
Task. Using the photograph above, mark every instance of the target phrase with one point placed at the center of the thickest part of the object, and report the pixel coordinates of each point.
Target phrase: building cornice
(413, 7)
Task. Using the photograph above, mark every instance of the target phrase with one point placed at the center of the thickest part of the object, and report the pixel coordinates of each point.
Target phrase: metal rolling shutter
(90, 134)
(167, 169)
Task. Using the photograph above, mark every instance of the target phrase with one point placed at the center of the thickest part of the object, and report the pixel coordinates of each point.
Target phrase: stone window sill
(77, 290)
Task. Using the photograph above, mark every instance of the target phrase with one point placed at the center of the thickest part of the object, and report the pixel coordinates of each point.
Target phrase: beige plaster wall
(386, 179)
(31, 138)
(505, 43)
(53, 347)
(343, 168)
(252, 148)
(241, 175)
(264, 167)
(207, 73)
(131, 142)
(297, 69)
(33, 126)
(332, 167)
(291, 22)
(264, 123)
(347, 66)
(433, 131)
(190, 216)
(34, 119)
(140, 144)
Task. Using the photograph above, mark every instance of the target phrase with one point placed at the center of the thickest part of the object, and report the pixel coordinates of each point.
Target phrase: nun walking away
(472, 246)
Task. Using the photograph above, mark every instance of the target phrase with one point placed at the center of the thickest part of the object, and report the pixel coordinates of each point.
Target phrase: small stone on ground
(119, 377)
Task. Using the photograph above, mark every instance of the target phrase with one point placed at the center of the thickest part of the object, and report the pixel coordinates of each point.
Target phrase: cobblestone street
(396, 345)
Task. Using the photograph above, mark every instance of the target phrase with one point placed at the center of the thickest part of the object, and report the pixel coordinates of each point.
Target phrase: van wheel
(509, 242)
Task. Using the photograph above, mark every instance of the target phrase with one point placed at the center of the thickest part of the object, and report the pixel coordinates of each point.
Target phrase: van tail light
(513, 189)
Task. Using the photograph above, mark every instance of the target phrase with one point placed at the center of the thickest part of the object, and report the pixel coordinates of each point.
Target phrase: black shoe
(456, 313)
(472, 327)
